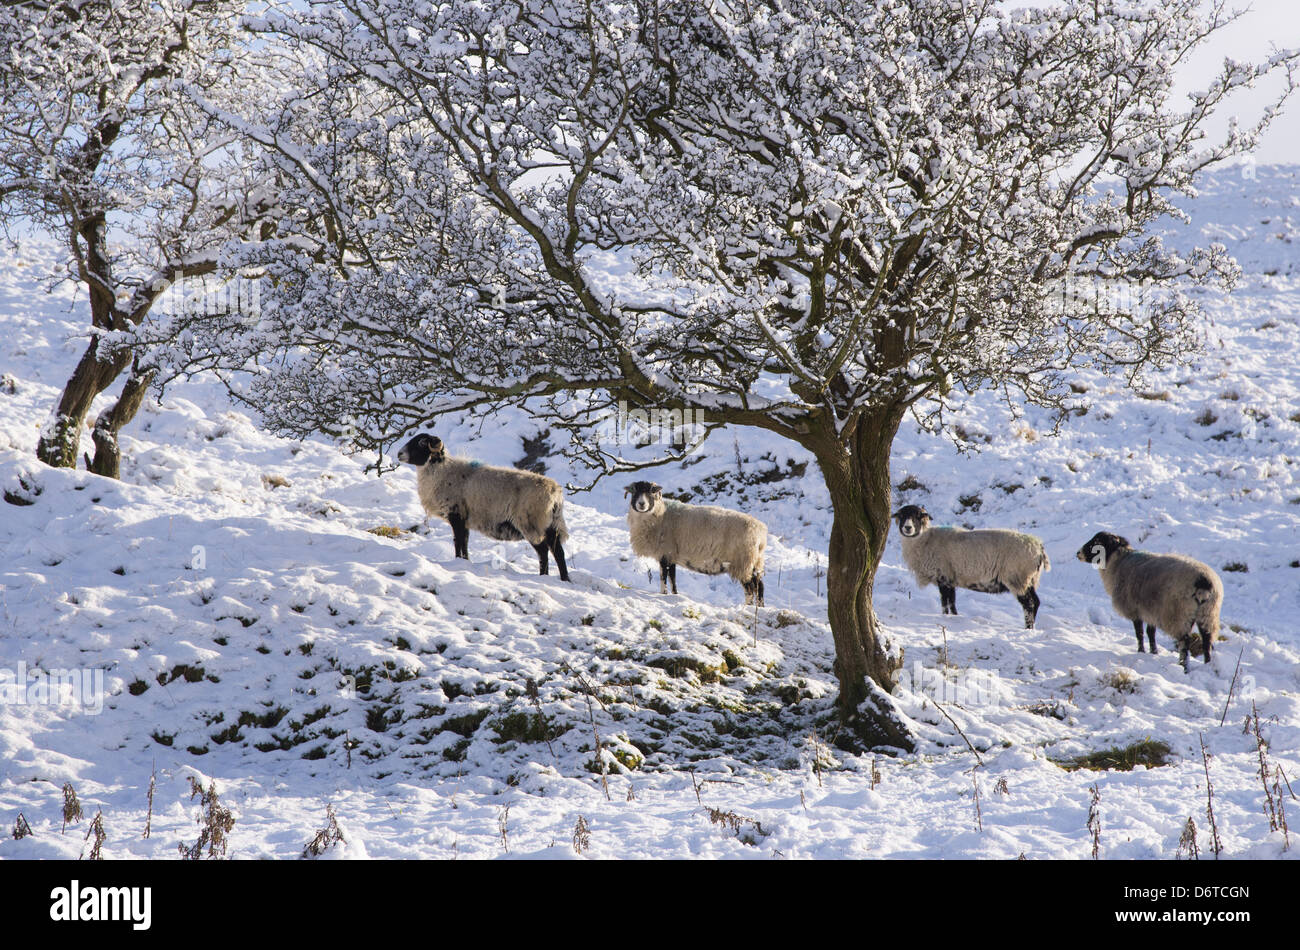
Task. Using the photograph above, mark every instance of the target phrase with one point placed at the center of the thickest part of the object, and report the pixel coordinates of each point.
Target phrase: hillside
(269, 616)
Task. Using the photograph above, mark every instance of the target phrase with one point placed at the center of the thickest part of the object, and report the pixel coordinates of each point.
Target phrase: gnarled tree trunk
(858, 482)
(61, 437)
(108, 457)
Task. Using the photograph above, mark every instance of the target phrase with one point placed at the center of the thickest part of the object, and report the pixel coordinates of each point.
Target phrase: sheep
(1169, 591)
(702, 538)
(503, 503)
(992, 561)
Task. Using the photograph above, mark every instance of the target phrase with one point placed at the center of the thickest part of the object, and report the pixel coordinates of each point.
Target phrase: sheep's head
(1101, 547)
(423, 449)
(645, 495)
(912, 520)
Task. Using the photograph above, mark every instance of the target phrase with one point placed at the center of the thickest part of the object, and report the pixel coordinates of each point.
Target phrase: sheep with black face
(993, 561)
(702, 538)
(1169, 591)
(505, 504)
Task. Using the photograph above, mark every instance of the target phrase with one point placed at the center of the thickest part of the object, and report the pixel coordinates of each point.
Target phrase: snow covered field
(250, 628)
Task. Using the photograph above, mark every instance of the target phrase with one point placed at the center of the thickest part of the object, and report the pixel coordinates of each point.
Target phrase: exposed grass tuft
(1151, 753)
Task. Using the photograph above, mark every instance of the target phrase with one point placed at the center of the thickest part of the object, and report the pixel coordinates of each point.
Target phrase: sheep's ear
(631, 489)
(657, 489)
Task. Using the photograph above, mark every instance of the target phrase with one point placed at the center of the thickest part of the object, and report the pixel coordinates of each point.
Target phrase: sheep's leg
(947, 598)
(1182, 649)
(758, 588)
(1137, 628)
(1151, 637)
(1029, 601)
(663, 576)
(672, 575)
(543, 565)
(459, 535)
(557, 549)
(1205, 640)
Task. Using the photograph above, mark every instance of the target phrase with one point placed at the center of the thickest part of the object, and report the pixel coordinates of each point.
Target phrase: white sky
(1267, 27)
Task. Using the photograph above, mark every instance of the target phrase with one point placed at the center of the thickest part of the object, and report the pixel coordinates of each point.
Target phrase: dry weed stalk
(581, 836)
(1261, 747)
(1216, 846)
(1094, 820)
(817, 757)
(148, 816)
(939, 707)
(736, 823)
(326, 837)
(215, 823)
(503, 826)
(1187, 842)
(21, 828)
(1281, 809)
(96, 830)
(71, 807)
(1231, 686)
(1286, 781)
(589, 693)
(530, 686)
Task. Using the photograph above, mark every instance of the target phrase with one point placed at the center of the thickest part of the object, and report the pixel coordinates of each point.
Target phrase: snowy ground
(251, 630)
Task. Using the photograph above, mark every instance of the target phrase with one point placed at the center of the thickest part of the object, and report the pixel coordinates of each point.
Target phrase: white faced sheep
(991, 561)
(1168, 591)
(504, 503)
(703, 538)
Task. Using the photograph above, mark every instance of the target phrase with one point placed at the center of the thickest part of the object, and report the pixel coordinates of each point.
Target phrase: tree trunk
(108, 457)
(61, 436)
(858, 482)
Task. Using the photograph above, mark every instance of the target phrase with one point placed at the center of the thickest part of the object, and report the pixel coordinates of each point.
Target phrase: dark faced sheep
(1168, 591)
(991, 561)
(503, 503)
(703, 538)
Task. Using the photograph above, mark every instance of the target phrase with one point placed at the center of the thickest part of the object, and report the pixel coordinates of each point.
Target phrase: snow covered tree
(101, 146)
(808, 216)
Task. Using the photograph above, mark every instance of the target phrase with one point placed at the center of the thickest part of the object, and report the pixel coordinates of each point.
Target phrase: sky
(1267, 27)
